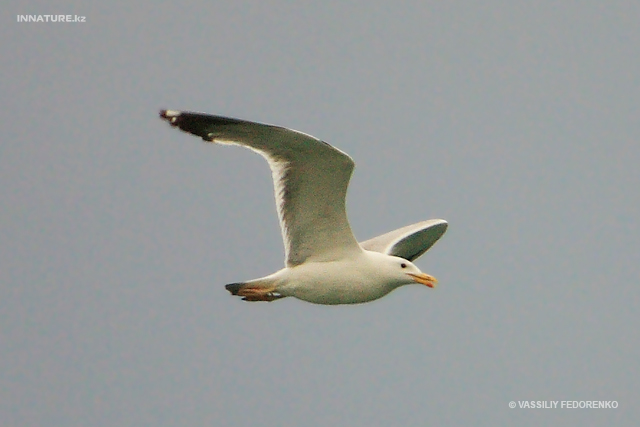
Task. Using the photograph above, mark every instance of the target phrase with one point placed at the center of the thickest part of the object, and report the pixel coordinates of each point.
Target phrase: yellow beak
(424, 279)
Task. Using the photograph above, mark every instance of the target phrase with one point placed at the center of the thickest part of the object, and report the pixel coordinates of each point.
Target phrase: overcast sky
(518, 122)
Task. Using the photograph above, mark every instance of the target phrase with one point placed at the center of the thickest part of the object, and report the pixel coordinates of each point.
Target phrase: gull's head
(405, 272)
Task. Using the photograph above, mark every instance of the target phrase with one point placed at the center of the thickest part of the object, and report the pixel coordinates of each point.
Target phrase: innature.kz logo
(51, 18)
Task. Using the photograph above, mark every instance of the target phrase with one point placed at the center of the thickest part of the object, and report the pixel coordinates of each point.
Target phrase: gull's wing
(408, 242)
(310, 179)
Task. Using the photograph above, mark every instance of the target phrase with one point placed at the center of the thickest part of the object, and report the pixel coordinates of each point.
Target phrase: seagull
(324, 263)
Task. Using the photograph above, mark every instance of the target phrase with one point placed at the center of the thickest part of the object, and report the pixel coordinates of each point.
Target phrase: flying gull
(324, 263)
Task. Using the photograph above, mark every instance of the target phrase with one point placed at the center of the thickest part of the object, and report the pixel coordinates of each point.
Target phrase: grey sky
(516, 122)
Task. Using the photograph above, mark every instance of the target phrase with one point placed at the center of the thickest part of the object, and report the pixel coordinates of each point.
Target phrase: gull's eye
(403, 265)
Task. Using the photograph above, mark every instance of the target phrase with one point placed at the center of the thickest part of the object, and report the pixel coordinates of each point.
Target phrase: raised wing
(310, 180)
(408, 242)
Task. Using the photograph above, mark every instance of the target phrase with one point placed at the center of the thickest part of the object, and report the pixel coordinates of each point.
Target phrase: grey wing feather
(408, 242)
(310, 179)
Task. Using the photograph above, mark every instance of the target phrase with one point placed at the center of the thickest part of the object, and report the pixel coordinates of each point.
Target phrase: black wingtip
(173, 117)
(198, 124)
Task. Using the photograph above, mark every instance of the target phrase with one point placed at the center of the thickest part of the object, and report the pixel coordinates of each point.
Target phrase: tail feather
(234, 288)
(252, 291)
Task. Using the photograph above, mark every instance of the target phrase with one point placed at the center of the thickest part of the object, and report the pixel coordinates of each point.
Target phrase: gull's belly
(353, 295)
(349, 291)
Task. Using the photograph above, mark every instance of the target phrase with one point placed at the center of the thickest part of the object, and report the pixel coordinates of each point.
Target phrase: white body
(364, 278)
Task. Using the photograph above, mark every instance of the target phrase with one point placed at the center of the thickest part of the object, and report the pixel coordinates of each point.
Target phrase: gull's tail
(254, 291)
